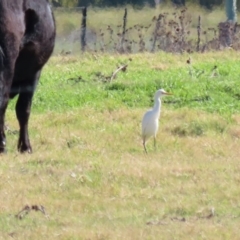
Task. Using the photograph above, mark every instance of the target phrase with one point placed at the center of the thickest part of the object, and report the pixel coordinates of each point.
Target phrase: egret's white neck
(157, 106)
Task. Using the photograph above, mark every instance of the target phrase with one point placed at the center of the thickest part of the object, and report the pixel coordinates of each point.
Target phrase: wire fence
(129, 32)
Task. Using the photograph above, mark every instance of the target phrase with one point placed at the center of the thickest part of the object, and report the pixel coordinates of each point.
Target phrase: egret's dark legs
(144, 145)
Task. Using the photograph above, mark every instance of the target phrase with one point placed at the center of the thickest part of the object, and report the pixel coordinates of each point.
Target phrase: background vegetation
(161, 29)
(209, 4)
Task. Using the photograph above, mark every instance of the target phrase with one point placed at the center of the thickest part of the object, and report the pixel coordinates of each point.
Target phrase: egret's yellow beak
(168, 93)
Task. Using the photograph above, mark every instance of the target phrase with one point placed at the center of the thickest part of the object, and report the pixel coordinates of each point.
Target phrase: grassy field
(89, 170)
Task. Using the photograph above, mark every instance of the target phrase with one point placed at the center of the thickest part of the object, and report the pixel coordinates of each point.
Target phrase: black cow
(27, 37)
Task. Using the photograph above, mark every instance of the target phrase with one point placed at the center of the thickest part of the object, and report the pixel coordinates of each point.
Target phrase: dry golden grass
(92, 176)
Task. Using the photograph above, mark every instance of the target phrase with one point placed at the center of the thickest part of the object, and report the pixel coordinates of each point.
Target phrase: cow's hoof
(25, 149)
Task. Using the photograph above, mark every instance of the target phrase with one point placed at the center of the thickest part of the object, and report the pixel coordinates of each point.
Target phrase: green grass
(135, 87)
(89, 169)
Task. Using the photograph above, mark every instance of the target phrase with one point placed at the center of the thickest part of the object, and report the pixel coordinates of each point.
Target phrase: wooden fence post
(83, 29)
(124, 30)
(198, 34)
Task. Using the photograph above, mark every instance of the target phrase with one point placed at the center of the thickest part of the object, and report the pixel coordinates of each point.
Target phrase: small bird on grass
(151, 118)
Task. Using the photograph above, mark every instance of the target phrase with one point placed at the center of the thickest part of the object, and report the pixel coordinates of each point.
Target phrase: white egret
(151, 118)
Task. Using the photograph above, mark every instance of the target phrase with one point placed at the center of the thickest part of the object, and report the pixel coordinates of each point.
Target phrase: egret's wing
(145, 123)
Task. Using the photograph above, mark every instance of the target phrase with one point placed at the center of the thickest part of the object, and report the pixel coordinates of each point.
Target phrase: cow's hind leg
(23, 108)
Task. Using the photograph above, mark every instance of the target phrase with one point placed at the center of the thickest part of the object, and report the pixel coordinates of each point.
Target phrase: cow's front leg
(2, 134)
(3, 106)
